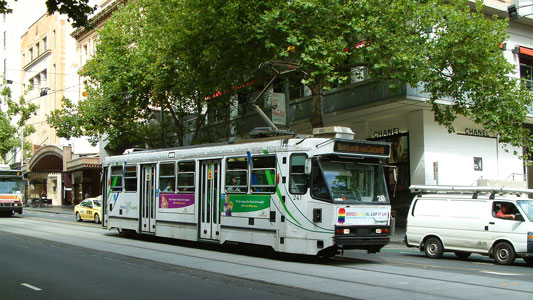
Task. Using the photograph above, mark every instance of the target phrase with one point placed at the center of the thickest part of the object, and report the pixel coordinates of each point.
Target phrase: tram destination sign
(363, 148)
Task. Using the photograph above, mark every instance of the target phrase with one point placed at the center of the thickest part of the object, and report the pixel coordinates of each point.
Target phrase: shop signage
(279, 112)
(475, 132)
(386, 132)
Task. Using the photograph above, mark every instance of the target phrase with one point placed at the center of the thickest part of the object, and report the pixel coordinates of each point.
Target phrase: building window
(84, 55)
(31, 54)
(526, 72)
(45, 44)
(37, 49)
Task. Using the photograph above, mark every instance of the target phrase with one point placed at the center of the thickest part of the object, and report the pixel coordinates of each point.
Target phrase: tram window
(130, 179)
(186, 176)
(116, 178)
(319, 187)
(167, 177)
(298, 178)
(263, 179)
(237, 175)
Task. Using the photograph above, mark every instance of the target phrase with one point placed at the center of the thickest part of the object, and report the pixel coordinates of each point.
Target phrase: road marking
(483, 263)
(31, 287)
(500, 273)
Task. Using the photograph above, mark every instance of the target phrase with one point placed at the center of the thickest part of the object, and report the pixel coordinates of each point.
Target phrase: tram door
(148, 201)
(210, 178)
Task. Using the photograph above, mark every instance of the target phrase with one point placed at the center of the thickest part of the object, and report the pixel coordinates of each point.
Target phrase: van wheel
(462, 255)
(504, 253)
(78, 217)
(433, 248)
(96, 219)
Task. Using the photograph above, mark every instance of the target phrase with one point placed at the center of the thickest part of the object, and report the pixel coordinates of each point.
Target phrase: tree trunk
(317, 114)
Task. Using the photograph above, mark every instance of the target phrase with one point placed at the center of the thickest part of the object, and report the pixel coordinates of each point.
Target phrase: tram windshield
(351, 182)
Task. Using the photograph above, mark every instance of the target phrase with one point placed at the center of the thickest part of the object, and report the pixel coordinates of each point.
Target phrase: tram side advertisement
(242, 205)
(363, 215)
(177, 203)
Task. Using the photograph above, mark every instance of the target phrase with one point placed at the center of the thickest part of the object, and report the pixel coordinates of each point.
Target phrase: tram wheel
(328, 252)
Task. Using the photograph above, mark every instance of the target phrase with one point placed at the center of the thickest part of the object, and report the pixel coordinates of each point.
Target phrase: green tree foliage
(13, 118)
(157, 54)
(448, 47)
(76, 10)
(173, 54)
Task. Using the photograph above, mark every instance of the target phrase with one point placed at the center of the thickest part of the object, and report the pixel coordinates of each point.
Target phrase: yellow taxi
(89, 209)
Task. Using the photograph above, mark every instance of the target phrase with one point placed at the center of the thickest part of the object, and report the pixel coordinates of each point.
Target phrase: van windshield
(527, 207)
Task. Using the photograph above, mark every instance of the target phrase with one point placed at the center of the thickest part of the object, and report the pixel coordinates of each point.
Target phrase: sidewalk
(57, 209)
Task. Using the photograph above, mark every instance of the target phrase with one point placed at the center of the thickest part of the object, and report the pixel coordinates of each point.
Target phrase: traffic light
(513, 12)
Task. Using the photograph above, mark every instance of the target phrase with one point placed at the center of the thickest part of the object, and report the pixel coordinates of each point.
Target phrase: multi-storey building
(12, 27)
(66, 170)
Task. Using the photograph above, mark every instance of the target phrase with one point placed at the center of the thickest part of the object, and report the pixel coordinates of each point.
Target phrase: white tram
(303, 195)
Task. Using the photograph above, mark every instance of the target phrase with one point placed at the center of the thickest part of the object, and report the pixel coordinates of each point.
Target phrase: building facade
(66, 171)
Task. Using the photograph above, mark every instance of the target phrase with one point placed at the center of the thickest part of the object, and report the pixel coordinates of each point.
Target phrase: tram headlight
(530, 236)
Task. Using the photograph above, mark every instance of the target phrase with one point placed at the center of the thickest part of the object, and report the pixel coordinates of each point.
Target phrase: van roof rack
(468, 189)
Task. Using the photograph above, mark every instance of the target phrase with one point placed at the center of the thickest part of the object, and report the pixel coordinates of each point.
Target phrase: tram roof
(260, 145)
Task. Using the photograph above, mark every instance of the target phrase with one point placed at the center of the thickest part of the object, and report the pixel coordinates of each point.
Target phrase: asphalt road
(38, 269)
(396, 273)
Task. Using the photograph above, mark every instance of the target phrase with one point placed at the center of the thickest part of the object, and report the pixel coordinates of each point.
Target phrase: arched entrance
(43, 172)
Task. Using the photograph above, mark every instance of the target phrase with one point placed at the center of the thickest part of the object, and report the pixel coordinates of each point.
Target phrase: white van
(468, 220)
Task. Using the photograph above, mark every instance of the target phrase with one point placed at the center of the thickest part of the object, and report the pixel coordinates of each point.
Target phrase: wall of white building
(439, 157)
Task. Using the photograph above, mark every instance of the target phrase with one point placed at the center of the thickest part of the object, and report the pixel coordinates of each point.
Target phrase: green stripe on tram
(271, 181)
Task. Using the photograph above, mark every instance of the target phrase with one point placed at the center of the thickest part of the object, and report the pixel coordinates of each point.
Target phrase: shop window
(297, 177)
(167, 177)
(263, 178)
(116, 178)
(526, 70)
(186, 176)
(130, 179)
(237, 175)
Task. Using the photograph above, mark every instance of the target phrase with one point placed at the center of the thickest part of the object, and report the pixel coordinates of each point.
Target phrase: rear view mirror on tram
(308, 166)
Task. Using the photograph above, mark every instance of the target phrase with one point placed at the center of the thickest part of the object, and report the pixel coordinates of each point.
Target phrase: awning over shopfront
(48, 159)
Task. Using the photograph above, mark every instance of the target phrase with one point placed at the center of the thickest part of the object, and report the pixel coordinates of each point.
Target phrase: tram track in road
(429, 266)
(499, 287)
(398, 280)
